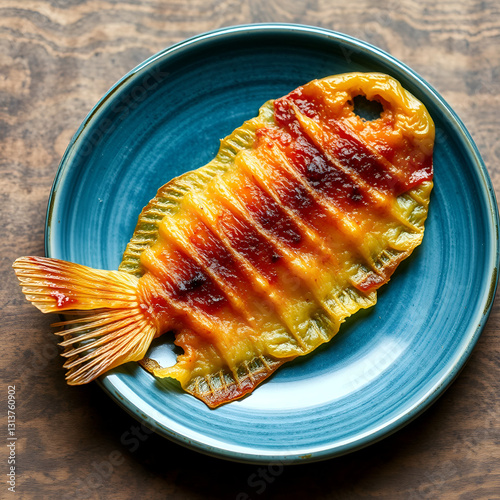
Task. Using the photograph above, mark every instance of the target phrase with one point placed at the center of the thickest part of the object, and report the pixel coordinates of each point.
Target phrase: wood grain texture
(57, 58)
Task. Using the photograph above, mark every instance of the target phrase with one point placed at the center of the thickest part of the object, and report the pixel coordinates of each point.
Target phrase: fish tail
(109, 327)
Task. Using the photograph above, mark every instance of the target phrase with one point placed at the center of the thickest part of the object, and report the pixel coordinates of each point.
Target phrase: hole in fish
(164, 351)
(366, 109)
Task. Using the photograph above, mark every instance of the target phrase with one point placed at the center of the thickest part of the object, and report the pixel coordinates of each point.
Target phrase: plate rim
(110, 383)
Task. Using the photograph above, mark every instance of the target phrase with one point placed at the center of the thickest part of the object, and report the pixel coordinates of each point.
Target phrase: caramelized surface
(260, 256)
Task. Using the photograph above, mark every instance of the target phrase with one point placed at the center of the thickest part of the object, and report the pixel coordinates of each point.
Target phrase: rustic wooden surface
(57, 58)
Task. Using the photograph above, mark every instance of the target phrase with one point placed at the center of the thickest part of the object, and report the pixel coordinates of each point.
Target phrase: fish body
(260, 255)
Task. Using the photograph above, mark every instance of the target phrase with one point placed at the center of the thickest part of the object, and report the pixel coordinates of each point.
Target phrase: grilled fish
(260, 255)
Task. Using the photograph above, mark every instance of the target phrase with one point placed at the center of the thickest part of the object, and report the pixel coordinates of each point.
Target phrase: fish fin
(223, 386)
(216, 389)
(109, 329)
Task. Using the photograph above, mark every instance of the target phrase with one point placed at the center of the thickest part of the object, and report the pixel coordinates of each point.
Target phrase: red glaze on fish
(259, 256)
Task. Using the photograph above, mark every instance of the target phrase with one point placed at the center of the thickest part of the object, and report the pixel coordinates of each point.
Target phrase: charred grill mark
(273, 218)
(307, 174)
(336, 219)
(182, 284)
(296, 196)
(195, 281)
(296, 265)
(211, 217)
(380, 202)
(346, 188)
(341, 189)
(186, 312)
(157, 295)
(381, 160)
(340, 184)
(275, 257)
(218, 265)
(372, 163)
(213, 253)
(244, 255)
(335, 184)
(324, 172)
(294, 201)
(354, 154)
(275, 246)
(187, 283)
(263, 210)
(248, 242)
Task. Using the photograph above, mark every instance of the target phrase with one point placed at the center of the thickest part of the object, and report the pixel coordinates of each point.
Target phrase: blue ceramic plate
(386, 365)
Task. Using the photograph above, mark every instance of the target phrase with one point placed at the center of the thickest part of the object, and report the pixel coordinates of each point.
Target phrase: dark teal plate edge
(477, 164)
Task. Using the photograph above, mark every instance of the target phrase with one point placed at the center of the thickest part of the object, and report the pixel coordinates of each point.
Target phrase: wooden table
(57, 59)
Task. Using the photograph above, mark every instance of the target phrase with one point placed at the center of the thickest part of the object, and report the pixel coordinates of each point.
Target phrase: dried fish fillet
(260, 255)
